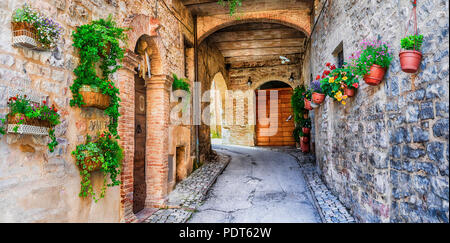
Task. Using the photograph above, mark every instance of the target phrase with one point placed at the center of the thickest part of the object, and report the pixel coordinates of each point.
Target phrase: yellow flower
(331, 80)
(345, 97)
(344, 78)
(343, 102)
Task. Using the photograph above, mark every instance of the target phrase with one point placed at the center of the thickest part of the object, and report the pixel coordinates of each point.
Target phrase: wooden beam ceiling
(258, 42)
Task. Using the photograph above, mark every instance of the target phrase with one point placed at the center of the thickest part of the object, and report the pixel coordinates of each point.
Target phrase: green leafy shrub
(412, 42)
(180, 84)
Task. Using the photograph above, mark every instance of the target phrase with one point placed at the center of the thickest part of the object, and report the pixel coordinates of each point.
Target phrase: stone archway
(217, 106)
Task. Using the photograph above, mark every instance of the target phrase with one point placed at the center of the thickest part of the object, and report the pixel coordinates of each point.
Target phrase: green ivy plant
(232, 5)
(412, 42)
(105, 150)
(99, 42)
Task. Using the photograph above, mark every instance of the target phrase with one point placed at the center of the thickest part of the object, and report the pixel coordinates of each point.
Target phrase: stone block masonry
(385, 154)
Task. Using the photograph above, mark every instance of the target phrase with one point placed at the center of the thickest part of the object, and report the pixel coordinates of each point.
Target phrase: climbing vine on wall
(232, 5)
(99, 43)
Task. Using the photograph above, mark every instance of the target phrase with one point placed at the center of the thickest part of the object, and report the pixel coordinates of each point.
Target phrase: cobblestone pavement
(189, 193)
(331, 209)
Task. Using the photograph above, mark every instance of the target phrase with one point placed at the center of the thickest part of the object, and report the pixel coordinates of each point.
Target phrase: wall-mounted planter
(92, 97)
(375, 75)
(306, 130)
(30, 126)
(318, 98)
(304, 147)
(24, 35)
(308, 104)
(410, 61)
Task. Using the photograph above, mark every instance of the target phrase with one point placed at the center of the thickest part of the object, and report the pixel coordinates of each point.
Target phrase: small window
(338, 53)
(340, 59)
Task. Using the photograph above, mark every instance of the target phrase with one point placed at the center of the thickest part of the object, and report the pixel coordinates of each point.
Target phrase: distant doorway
(282, 134)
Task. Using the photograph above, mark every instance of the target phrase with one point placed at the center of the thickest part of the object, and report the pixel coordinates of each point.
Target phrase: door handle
(138, 129)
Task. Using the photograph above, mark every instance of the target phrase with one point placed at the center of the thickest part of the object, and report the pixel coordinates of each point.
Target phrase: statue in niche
(144, 50)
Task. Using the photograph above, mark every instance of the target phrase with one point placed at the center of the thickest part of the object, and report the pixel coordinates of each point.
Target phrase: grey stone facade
(386, 153)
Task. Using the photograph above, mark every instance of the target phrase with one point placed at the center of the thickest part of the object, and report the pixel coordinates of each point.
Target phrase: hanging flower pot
(375, 75)
(410, 61)
(306, 115)
(92, 97)
(308, 105)
(350, 92)
(304, 139)
(318, 98)
(306, 130)
(410, 57)
(304, 147)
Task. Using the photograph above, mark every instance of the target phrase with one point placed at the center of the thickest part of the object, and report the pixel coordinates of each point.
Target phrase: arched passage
(217, 107)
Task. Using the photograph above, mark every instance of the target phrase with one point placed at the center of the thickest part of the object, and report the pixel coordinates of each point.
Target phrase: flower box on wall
(33, 30)
(30, 126)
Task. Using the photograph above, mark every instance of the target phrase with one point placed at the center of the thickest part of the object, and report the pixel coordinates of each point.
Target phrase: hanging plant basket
(318, 98)
(92, 97)
(92, 164)
(30, 126)
(410, 57)
(375, 75)
(308, 105)
(24, 35)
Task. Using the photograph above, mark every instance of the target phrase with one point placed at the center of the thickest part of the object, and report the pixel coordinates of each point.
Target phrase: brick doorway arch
(147, 151)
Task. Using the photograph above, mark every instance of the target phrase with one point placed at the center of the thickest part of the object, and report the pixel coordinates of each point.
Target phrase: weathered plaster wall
(38, 186)
(385, 154)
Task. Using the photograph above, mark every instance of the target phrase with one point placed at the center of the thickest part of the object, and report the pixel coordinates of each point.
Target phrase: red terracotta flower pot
(318, 98)
(350, 92)
(304, 139)
(308, 105)
(375, 75)
(304, 147)
(410, 61)
(306, 130)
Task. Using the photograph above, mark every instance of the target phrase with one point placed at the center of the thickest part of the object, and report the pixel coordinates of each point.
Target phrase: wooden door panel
(283, 133)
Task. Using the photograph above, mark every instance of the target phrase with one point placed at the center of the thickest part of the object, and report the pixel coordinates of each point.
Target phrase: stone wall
(38, 186)
(386, 153)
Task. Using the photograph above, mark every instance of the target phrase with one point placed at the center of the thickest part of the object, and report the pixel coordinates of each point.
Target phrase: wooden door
(283, 133)
(139, 185)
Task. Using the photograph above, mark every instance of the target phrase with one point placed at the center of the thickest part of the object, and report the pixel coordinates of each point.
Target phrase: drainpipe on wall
(196, 95)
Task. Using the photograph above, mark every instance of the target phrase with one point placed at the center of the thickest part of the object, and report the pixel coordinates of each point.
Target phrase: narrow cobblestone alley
(258, 186)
